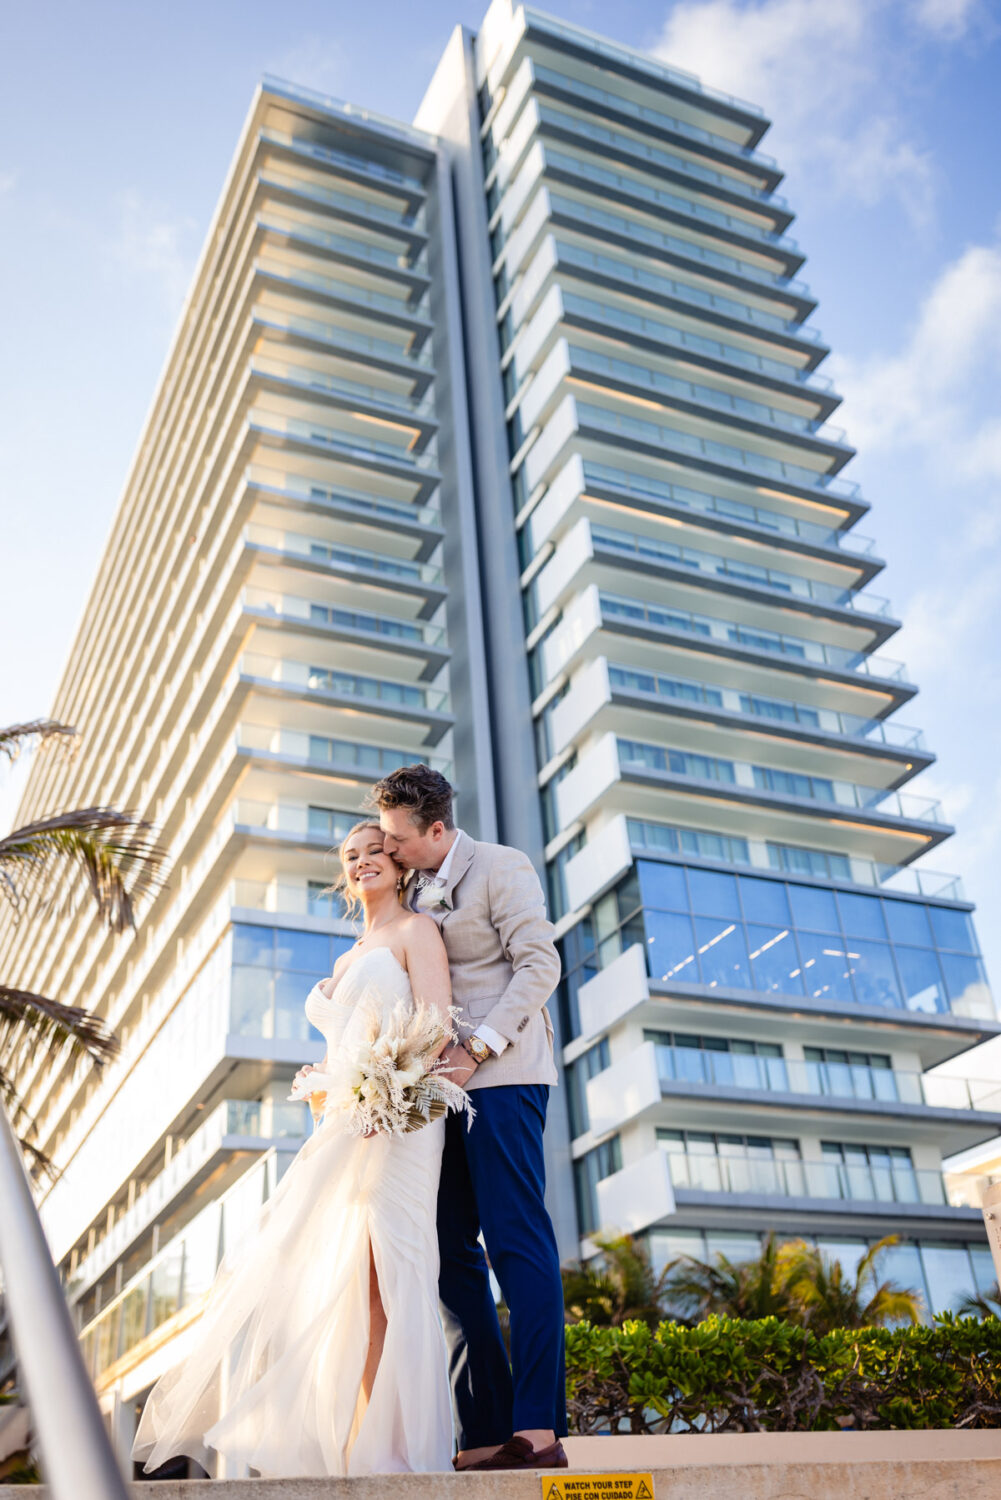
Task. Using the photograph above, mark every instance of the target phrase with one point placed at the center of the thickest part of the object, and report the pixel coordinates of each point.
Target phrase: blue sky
(117, 125)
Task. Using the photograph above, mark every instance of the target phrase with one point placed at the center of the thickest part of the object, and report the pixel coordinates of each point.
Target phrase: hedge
(727, 1375)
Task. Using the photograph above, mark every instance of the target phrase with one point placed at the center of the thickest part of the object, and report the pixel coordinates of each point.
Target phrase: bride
(320, 1350)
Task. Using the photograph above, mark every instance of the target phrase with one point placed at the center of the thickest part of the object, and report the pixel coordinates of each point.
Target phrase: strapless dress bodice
(374, 977)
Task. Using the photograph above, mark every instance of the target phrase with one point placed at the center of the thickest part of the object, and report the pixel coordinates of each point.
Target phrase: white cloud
(824, 71)
(949, 18)
(149, 244)
(936, 392)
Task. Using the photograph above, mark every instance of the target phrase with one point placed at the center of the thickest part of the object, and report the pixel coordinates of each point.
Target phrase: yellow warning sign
(597, 1487)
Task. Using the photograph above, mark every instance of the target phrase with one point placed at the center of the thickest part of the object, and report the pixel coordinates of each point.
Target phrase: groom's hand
(458, 1064)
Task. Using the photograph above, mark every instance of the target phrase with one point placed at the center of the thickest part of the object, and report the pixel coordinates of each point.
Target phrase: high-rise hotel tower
(500, 442)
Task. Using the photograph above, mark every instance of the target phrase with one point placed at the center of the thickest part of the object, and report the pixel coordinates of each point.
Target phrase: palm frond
(16, 738)
(28, 1019)
(115, 851)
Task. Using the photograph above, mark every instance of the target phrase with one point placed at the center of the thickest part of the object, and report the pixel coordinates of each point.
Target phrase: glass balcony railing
(683, 291)
(337, 754)
(376, 170)
(730, 510)
(344, 338)
(589, 171)
(351, 203)
(806, 1179)
(378, 508)
(351, 390)
(659, 156)
(607, 316)
(642, 234)
(709, 628)
(904, 880)
(343, 244)
(758, 465)
(346, 291)
(403, 695)
(343, 441)
(823, 1080)
(657, 117)
(385, 629)
(775, 711)
(636, 756)
(343, 557)
(702, 395)
(655, 550)
(642, 61)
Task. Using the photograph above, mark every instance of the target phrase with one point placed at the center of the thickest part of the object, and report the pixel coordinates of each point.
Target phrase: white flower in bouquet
(392, 1080)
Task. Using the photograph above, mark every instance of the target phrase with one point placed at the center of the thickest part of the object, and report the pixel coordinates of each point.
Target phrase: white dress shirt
(439, 879)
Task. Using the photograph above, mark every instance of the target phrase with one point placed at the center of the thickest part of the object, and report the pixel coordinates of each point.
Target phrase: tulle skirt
(274, 1377)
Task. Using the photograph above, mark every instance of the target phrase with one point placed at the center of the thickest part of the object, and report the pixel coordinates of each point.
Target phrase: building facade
(499, 442)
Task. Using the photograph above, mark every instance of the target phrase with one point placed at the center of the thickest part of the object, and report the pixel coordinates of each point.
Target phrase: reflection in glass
(874, 974)
(774, 960)
(722, 953)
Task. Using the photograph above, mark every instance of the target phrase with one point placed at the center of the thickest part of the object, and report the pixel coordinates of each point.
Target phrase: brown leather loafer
(518, 1453)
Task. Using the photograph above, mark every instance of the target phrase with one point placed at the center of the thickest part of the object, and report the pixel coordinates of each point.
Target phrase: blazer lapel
(461, 860)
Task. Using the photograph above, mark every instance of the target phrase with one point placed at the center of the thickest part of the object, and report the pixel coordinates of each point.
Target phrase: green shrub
(728, 1375)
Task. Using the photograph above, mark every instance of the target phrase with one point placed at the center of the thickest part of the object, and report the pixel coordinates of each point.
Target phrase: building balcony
(685, 209)
(351, 208)
(371, 175)
(400, 413)
(421, 523)
(397, 574)
(412, 640)
(358, 254)
(366, 695)
(627, 232)
(670, 1085)
(667, 340)
(334, 339)
(349, 446)
(549, 82)
(338, 757)
(696, 1181)
(628, 700)
(314, 286)
(610, 779)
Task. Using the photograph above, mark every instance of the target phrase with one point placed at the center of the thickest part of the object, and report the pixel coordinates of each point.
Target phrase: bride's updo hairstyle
(340, 887)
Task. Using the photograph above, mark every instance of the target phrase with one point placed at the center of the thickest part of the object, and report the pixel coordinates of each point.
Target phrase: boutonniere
(437, 897)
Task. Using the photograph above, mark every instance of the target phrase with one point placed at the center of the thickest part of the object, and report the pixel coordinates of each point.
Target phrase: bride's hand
(304, 1073)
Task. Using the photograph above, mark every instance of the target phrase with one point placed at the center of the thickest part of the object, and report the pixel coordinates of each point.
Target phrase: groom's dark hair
(425, 794)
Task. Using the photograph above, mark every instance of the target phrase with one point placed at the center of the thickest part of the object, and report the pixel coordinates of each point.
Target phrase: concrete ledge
(753, 1466)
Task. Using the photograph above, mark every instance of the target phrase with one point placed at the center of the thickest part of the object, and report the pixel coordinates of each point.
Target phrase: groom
(490, 910)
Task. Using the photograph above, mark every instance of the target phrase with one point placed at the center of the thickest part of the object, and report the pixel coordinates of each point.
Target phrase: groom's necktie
(424, 888)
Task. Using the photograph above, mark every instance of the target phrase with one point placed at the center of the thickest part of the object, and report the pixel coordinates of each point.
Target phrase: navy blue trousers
(493, 1179)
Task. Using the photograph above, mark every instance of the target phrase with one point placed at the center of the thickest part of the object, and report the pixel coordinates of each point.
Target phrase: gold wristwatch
(477, 1049)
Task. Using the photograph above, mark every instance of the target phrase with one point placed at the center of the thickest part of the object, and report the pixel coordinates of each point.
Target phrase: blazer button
(522, 1023)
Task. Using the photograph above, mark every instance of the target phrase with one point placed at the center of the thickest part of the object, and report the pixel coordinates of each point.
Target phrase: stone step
(752, 1466)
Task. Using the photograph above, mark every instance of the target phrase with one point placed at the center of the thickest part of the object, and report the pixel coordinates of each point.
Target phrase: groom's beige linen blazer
(504, 965)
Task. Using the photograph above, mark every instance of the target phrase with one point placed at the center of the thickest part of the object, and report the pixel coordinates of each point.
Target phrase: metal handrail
(77, 1455)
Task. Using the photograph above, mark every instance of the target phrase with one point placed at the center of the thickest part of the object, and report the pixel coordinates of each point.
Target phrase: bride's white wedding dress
(274, 1376)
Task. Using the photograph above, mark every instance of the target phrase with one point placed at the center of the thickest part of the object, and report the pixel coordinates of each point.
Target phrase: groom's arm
(518, 912)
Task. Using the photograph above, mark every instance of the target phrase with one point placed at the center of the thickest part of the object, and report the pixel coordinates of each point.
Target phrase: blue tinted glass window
(873, 972)
(338, 946)
(251, 1001)
(670, 947)
(921, 978)
(253, 945)
(861, 915)
(952, 929)
(825, 967)
(722, 952)
(714, 894)
(306, 951)
(949, 1275)
(814, 909)
(966, 985)
(908, 922)
(774, 960)
(662, 886)
(291, 989)
(764, 900)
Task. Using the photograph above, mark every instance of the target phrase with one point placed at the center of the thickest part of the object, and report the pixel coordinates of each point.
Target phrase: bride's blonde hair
(340, 887)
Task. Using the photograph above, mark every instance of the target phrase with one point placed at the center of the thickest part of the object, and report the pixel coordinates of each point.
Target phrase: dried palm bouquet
(390, 1080)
